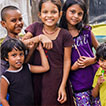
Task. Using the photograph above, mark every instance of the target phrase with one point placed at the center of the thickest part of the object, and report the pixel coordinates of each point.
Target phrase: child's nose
(18, 57)
(19, 22)
(49, 14)
(76, 15)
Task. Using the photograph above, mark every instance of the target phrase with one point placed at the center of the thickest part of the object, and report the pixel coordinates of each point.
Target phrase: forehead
(49, 5)
(76, 7)
(13, 13)
(15, 50)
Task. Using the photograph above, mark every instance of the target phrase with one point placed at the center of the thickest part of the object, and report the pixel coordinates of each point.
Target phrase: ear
(39, 15)
(6, 59)
(61, 13)
(3, 23)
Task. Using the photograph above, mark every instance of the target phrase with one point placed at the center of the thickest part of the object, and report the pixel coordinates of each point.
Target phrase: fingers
(48, 45)
(62, 98)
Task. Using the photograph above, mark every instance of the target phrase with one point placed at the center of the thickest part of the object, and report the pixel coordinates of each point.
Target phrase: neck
(50, 30)
(13, 35)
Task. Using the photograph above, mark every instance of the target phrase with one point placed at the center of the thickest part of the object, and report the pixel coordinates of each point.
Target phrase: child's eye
(21, 54)
(102, 60)
(80, 14)
(13, 20)
(45, 11)
(14, 55)
(20, 19)
(72, 11)
(53, 12)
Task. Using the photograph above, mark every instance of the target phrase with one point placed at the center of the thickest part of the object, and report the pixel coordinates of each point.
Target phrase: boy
(99, 84)
(12, 21)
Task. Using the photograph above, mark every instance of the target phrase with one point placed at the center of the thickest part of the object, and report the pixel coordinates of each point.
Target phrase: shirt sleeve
(68, 40)
(97, 75)
(4, 77)
(32, 28)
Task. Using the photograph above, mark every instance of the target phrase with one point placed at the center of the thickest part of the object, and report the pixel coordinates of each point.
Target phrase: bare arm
(94, 41)
(95, 91)
(28, 39)
(3, 93)
(62, 96)
(44, 66)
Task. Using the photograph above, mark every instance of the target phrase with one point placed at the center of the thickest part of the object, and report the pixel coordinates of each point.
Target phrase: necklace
(50, 33)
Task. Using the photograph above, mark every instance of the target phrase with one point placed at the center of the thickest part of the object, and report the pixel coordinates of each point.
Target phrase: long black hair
(68, 3)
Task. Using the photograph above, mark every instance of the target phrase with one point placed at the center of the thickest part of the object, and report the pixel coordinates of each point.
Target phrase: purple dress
(46, 85)
(82, 78)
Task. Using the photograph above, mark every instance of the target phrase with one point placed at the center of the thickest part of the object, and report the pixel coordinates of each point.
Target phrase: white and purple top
(82, 78)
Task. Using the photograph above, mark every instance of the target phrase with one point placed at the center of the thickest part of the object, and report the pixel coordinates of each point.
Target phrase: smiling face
(74, 14)
(102, 64)
(49, 14)
(15, 59)
(13, 22)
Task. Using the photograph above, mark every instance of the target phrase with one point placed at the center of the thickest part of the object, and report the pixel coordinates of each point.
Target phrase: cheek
(22, 58)
(100, 63)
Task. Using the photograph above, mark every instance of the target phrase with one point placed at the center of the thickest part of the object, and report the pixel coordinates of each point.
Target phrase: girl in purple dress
(52, 88)
(83, 66)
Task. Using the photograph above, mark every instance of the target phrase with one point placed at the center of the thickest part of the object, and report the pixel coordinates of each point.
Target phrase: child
(17, 78)
(99, 84)
(52, 88)
(83, 69)
(12, 21)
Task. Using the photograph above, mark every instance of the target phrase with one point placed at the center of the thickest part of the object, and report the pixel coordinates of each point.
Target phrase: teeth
(18, 63)
(49, 20)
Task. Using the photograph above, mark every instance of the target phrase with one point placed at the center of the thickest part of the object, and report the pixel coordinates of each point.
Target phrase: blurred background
(29, 9)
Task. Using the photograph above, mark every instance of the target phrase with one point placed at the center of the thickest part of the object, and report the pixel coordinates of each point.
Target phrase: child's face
(15, 59)
(74, 14)
(102, 64)
(49, 14)
(13, 22)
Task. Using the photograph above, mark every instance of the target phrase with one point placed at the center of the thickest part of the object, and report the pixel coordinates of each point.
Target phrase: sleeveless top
(20, 86)
(82, 78)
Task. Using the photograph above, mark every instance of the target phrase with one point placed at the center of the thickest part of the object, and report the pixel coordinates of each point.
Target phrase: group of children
(52, 63)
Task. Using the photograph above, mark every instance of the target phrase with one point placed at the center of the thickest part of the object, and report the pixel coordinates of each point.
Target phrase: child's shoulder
(98, 72)
(37, 24)
(87, 28)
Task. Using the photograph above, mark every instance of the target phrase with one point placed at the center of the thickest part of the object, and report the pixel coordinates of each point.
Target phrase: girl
(53, 88)
(17, 78)
(83, 68)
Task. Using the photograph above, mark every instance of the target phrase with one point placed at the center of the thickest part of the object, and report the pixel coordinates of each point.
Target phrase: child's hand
(100, 80)
(62, 97)
(39, 48)
(84, 61)
(47, 43)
